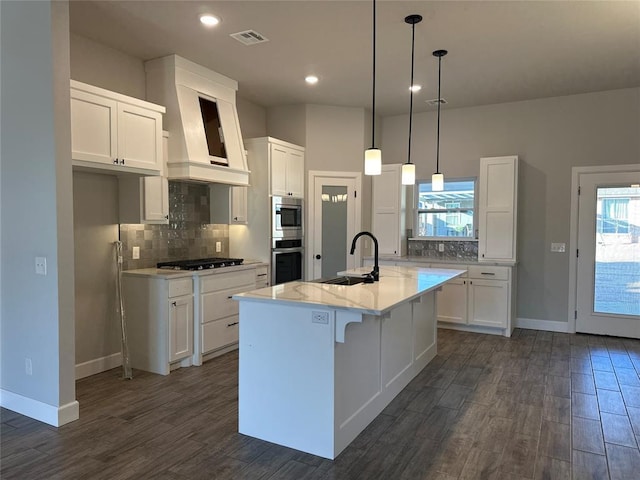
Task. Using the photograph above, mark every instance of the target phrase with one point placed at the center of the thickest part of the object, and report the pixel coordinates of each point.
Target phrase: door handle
(318, 257)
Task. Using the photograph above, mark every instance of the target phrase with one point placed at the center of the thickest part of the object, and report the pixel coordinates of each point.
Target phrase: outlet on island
(218, 247)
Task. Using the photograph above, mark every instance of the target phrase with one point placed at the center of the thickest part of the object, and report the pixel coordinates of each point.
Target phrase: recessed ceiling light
(311, 79)
(209, 20)
(415, 88)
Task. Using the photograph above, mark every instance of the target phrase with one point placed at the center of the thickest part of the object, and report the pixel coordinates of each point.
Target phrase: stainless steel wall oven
(287, 260)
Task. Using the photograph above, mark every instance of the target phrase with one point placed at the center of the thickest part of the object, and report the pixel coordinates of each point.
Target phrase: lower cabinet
(218, 317)
(159, 322)
(452, 301)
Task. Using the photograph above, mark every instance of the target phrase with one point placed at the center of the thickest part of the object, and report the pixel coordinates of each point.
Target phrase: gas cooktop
(201, 263)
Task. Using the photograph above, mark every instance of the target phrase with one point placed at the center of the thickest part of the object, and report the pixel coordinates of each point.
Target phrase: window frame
(417, 211)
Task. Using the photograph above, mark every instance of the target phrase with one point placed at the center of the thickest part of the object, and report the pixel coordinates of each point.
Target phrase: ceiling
(499, 51)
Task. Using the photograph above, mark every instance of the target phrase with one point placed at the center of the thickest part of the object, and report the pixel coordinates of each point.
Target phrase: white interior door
(608, 264)
(335, 221)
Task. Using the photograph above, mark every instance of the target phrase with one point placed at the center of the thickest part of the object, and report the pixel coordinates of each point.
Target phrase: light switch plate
(441, 247)
(41, 265)
(218, 246)
(558, 247)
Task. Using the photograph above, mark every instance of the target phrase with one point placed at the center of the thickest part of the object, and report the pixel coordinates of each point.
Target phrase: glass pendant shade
(408, 174)
(437, 182)
(373, 161)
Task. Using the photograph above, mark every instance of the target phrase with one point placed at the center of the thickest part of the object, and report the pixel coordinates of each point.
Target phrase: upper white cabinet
(228, 204)
(389, 210)
(115, 132)
(497, 226)
(286, 162)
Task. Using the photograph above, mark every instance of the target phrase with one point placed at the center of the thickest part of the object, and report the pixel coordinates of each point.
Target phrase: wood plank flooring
(539, 405)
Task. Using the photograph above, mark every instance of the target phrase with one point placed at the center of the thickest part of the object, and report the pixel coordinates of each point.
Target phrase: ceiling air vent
(249, 37)
(434, 102)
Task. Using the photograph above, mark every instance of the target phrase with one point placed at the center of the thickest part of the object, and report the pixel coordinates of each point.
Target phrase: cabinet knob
(116, 161)
(167, 217)
(122, 161)
(235, 218)
(175, 304)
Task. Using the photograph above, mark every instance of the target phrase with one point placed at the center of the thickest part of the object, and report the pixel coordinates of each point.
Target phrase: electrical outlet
(558, 247)
(441, 247)
(218, 247)
(41, 265)
(28, 366)
(136, 253)
(320, 317)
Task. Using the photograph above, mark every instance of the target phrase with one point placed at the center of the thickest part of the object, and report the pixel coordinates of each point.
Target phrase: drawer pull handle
(232, 324)
(262, 275)
(487, 273)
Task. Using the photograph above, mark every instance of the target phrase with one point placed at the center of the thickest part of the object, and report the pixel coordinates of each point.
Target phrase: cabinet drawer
(225, 281)
(262, 276)
(180, 286)
(219, 333)
(490, 273)
(215, 305)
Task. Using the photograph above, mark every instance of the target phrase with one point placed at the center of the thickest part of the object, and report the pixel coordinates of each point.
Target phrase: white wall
(105, 67)
(36, 212)
(288, 123)
(95, 227)
(550, 136)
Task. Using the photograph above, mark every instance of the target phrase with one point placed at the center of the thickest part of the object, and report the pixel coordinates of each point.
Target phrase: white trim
(573, 231)
(474, 328)
(308, 228)
(98, 365)
(546, 325)
(56, 416)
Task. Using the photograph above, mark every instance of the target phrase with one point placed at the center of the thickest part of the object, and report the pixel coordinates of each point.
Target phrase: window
(448, 213)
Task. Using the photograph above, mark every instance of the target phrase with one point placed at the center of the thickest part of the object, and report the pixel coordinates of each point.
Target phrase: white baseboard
(548, 325)
(56, 416)
(98, 365)
(472, 328)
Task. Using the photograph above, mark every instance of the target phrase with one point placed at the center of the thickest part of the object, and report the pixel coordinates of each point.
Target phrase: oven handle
(288, 250)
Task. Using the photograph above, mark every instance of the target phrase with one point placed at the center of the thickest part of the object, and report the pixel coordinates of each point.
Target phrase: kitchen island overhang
(319, 362)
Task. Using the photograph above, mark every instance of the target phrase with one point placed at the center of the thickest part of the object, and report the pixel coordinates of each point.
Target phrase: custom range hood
(205, 143)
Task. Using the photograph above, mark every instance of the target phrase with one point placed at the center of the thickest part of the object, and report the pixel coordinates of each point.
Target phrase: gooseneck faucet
(375, 273)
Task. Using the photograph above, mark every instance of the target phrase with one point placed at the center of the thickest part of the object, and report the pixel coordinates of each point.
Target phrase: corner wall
(550, 136)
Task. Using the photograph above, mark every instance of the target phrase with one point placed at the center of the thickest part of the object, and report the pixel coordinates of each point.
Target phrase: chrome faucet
(375, 273)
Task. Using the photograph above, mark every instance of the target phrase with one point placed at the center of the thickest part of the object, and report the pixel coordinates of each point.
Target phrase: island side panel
(425, 327)
(286, 369)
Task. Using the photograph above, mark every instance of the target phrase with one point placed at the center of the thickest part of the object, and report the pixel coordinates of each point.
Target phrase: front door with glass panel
(334, 225)
(608, 266)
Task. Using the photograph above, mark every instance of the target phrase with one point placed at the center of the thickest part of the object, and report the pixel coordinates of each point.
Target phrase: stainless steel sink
(342, 280)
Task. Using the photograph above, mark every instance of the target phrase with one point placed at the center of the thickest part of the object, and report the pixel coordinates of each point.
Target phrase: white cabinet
(263, 279)
(180, 327)
(287, 170)
(228, 204)
(218, 320)
(159, 314)
(115, 132)
(497, 209)
(452, 301)
(388, 211)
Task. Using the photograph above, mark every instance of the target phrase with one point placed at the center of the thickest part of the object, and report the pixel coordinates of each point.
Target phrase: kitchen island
(318, 362)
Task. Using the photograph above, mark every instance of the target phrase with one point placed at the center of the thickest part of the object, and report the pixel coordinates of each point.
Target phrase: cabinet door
(180, 327)
(489, 303)
(156, 199)
(238, 207)
(139, 137)
(295, 174)
(93, 128)
(279, 159)
(497, 209)
(387, 210)
(452, 301)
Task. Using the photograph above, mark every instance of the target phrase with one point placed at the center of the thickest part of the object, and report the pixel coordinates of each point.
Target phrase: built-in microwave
(286, 219)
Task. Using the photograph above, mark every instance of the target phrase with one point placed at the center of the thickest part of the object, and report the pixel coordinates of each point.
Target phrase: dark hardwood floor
(538, 405)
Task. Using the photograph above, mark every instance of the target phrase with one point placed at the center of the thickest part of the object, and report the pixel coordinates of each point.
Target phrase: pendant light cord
(373, 112)
(439, 102)
(413, 43)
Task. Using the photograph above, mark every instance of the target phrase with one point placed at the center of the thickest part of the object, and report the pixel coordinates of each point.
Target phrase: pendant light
(437, 179)
(409, 169)
(373, 155)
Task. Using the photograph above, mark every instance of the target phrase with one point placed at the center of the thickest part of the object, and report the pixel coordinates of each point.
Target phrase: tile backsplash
(453, 250)
(188, 235)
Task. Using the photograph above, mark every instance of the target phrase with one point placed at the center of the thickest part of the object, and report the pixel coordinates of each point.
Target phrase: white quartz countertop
(168, 273)
(397, 285)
